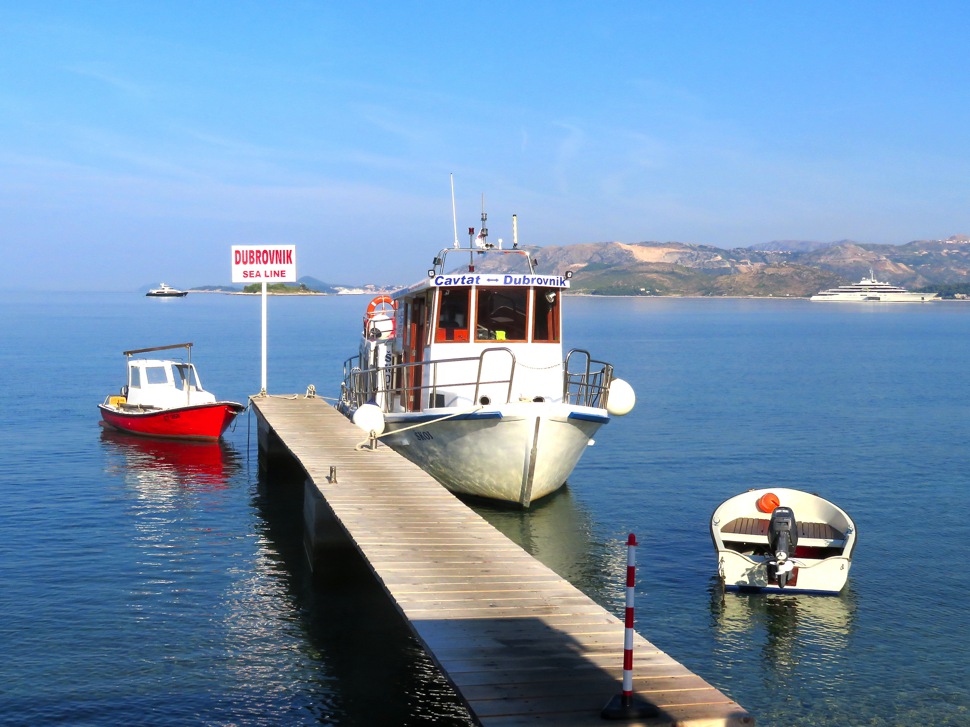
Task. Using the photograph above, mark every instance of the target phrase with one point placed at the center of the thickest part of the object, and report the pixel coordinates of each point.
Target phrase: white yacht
(166, 291)
(870, 290)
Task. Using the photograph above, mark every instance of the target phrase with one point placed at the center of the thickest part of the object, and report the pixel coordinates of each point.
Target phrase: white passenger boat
(870, 290)
(463, 373)
(775, 539)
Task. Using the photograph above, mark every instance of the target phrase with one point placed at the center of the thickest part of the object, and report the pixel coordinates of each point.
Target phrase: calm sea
(146, 583)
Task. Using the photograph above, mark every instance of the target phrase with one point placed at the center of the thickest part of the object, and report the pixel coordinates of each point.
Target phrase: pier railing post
(627, 705)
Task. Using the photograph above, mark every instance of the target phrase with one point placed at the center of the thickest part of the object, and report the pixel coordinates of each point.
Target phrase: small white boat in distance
(775, 539)
(870, 290)
(166, 291)
(463, 374)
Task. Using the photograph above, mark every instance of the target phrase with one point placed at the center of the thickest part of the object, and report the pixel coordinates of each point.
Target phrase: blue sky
(139, 141)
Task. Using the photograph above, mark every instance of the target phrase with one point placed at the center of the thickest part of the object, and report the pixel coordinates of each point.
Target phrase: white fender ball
(370, 418)
(621, 398)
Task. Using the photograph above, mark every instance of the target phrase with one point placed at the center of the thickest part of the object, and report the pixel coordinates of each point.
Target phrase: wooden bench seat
(754, 529)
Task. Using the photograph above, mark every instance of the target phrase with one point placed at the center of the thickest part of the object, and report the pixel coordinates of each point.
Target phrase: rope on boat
(370, 443)
(311, 393)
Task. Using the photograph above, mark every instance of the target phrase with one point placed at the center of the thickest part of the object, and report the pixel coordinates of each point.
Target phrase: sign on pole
(263, 264)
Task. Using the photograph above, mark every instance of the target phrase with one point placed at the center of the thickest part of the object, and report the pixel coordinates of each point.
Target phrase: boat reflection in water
(557, 531)
(155, 466)
(794, 628)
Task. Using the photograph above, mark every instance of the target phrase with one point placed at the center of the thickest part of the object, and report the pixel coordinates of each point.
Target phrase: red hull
(204, 421)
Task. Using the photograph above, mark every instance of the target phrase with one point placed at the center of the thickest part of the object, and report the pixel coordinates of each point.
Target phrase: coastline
(314, 293)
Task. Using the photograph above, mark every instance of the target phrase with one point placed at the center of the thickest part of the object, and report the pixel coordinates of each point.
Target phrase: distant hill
(677, 268)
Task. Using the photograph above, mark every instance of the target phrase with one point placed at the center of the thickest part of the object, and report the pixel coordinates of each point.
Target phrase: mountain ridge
(779, 268)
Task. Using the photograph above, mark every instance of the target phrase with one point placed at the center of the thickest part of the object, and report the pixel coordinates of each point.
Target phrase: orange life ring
(768, 502)
(381, 305)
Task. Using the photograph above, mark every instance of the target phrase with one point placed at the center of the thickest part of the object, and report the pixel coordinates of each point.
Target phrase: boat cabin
(483, 328)
(164, 384)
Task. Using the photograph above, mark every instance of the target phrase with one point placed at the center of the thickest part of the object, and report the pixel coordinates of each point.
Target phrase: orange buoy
(768, 502)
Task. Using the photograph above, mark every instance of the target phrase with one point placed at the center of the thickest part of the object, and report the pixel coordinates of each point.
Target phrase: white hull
(870, 290)
(875, 297)
(746, 573)
(822, 557)
(516, 453)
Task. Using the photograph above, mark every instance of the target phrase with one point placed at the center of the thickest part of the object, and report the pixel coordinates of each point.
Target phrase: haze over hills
(793, 245)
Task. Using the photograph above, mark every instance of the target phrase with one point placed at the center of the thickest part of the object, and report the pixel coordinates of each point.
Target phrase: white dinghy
(775, 539)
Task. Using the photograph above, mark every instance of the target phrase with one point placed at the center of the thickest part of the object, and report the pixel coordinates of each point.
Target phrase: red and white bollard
(626, 705)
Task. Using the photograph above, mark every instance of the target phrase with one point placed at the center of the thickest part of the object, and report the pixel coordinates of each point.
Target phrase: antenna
(515, 232)
(483, 233)
(454, 214)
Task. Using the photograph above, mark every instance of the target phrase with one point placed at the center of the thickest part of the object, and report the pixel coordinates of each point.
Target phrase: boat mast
(515, 232)
(454, 213)
(483, 233)
(480, 242)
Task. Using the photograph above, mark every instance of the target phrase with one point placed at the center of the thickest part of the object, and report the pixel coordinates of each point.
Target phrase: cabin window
(545, 327)
(502, 314)
(156, 375)
(135, 377)
(178, 375)
(452, 315)
(183, 372)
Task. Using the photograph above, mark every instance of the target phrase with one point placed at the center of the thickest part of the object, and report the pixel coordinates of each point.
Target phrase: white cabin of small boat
(163, 384)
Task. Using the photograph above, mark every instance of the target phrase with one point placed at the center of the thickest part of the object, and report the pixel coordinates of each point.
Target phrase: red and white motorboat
(164, 398)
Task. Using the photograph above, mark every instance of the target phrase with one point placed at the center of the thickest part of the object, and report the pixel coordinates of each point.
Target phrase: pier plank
(520, 644)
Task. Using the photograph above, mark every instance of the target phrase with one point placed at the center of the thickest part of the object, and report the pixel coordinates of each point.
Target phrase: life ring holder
(381, 305)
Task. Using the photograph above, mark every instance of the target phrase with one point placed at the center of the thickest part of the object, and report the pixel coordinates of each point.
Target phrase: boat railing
(404, 382)
(586, 381)
(453, 260)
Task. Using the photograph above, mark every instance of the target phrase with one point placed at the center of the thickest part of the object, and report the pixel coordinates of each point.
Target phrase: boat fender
(768, 502)
(370, 418)
(620, 398)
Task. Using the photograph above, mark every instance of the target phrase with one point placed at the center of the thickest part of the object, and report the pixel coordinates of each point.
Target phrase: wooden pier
(519, 643)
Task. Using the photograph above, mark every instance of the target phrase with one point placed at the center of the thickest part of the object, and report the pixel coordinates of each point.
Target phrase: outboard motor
(782, 539)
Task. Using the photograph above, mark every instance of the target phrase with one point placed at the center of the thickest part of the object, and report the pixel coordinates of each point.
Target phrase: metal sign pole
(267, 262)
(262, 391)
